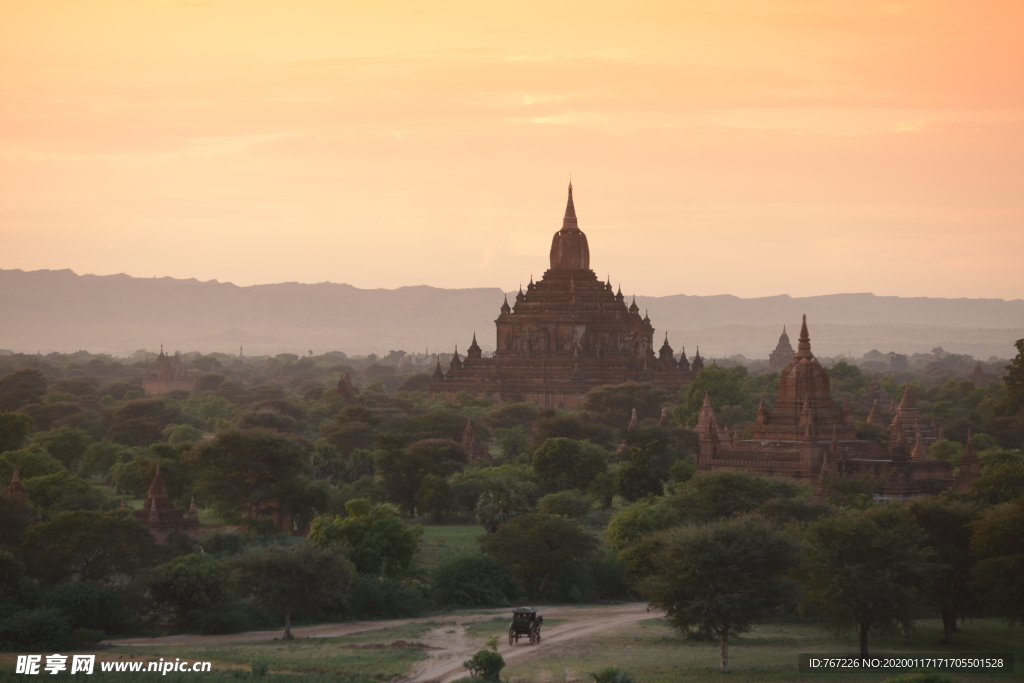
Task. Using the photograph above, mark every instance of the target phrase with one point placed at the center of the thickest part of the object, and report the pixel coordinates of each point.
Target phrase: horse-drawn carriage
(525, 622)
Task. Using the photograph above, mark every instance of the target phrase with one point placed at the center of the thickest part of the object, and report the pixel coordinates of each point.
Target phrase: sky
(752, 148)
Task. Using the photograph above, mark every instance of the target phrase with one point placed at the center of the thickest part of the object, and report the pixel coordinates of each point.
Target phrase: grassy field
(651, 651)
(364, 657)
(441, 542)
(654, 653)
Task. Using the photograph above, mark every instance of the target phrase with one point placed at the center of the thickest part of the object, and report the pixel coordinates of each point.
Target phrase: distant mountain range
(58, 310)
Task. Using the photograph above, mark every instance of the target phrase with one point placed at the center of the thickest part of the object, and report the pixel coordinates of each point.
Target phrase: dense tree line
(319, 482)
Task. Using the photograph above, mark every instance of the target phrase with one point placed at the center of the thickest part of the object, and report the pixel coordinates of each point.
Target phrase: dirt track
(445, 663)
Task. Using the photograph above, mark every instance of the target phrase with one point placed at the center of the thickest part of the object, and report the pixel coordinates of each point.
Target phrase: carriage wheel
(511, 636)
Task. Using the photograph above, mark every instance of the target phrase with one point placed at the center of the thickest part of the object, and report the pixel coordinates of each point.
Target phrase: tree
(189, 585)
(999, 545)
(613, 404)
(867, 570)
(948, 526)
(304, 578)
(539, 548)
(999, 483)
(722, 493)
(639, 477)
(438, 424)
(502, 500)
(31, 462)
(509, 415)
(67, 444)
(350, 436)
(570, 427)
(62, 492)
(251, 475)
(563, 463)
(21, 387)
(485, 665)
(87, 545)
(378, 542)
(639, 519)
(404, 469)
(14, 430)
(514, 440)
(724, 385)
(721, 577)
(569, 503)
(475, 581)
(1014, 381)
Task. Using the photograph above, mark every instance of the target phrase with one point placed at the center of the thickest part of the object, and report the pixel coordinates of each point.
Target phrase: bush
(94, 606)
(612, 674)
(475, 581)
(374, 597)
(569, 503)
(485, 665)
(34, 631)
(641, 518)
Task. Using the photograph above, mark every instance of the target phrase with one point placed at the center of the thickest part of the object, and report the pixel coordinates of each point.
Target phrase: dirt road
(453, 646)
(445, 663)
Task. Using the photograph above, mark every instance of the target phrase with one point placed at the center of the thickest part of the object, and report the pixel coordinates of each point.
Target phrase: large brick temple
(565, 335)
(807, 437)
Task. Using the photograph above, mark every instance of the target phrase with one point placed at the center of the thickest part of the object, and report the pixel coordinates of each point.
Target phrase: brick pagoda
(565, 335)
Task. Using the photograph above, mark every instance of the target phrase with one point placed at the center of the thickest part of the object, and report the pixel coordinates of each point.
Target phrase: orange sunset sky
(754, 148)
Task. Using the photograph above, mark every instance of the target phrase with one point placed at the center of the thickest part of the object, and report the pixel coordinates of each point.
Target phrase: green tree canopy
(87, 545)
(304, 578)
(867, 570)
(31, 462)
(248, 475)
(948, 525)
(190, 584)
(539, 548)
(721, 493)
(725, 386)
(613, 404)
(721, 577)
(21, 387)
(563, 463)
(14, 430)
(404, 469)
(61, 491)
(570, 503)
(573, 427)
(999, 483)
(998, 544)
(67, 444)
(1014, 381)
(639, 519)
(501, 500)
(508, 415)
(375, 538)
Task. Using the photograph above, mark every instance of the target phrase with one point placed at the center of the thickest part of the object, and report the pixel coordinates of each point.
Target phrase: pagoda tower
(566, 334)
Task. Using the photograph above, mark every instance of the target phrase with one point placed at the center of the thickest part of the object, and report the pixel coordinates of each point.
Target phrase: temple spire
(569, 221)
(804, 347)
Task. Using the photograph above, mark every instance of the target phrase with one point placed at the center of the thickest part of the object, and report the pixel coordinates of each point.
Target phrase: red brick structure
(807, 437)
(16, 488)
(875, 394)
(171, 375)
(160, 516)
(565, 335)
(474, 449)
